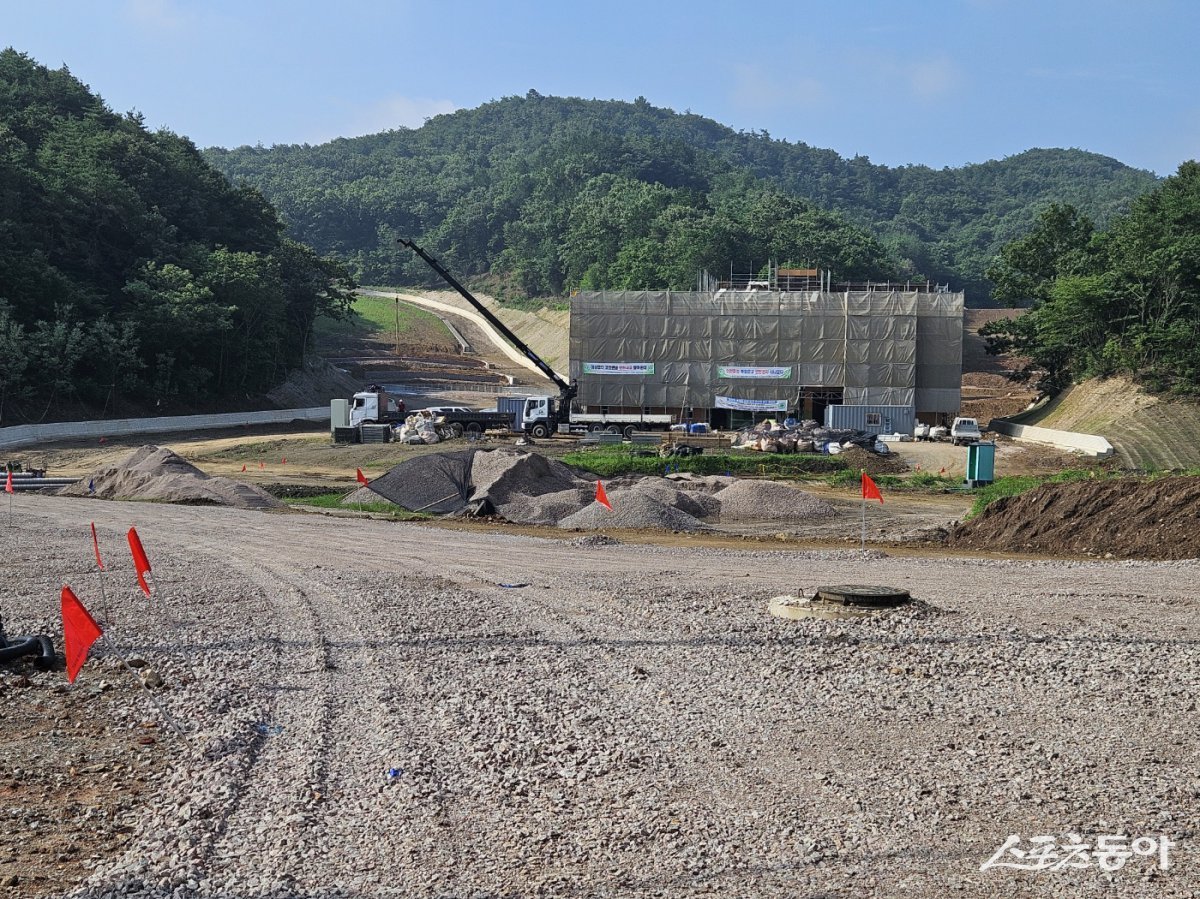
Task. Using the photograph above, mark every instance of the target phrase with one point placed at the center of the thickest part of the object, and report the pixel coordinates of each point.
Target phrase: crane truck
(541, 416)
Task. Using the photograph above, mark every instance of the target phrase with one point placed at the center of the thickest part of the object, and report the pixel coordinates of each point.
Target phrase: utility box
(981, 463)
(339, 415)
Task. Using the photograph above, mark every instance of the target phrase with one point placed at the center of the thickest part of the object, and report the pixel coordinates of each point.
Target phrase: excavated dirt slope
(1126, 517)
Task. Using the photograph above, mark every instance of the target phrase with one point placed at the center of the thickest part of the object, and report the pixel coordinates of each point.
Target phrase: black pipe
(38, 645)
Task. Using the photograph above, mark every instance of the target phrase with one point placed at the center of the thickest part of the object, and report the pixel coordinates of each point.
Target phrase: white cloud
(934, 79)
(759, 89)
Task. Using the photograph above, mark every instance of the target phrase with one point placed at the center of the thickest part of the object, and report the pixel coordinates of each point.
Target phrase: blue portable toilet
(981, 463)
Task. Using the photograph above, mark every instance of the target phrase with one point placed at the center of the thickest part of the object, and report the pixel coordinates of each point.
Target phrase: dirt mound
(153, 473)
(1125, 517)
(751, 500)
(859, 459)
(634, 510)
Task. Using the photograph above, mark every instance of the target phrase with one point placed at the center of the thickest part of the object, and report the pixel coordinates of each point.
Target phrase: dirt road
(623, 720)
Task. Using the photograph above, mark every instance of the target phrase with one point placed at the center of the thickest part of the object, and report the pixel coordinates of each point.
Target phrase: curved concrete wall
(1092, 444)
(25, 435)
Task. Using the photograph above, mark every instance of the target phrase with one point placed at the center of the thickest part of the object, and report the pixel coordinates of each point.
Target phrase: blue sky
(940, 82)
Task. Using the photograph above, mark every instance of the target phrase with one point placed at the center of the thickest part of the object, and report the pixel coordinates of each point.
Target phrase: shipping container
(872, 419)
(515, 407)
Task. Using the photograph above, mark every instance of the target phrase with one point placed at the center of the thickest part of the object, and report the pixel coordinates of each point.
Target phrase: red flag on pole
(602, 497)
(80, 631)
(140, 563)
(869, 490)
(243, 466)
(8, 487)
(362, 478)
(96, 547)
(284, 460)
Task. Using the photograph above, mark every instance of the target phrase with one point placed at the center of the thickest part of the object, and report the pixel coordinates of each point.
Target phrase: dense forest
(547, 194)
(1124, 299)
(131, 270)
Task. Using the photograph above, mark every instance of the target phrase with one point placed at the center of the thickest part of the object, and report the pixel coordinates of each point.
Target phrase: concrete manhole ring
(839, 602)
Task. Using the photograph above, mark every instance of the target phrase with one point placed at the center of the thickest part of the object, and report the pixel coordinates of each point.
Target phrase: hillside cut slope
(1148, 432)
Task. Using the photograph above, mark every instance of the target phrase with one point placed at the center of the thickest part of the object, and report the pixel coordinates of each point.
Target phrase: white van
(964, 431)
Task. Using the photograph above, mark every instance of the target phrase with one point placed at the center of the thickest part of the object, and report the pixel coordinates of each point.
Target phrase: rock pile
(154, 473)
(527, 488)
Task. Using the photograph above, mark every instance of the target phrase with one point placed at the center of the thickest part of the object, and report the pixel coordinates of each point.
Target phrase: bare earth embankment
(628, 722)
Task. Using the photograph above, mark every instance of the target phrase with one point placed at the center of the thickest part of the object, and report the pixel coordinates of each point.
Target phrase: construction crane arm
(566, 391)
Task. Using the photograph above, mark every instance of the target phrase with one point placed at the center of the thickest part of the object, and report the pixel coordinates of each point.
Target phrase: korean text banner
(729, 402)
(754, 371)
(618, 368)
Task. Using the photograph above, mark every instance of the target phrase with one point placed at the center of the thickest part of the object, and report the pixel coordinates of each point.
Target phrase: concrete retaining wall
(25, 435)
(1092, 444)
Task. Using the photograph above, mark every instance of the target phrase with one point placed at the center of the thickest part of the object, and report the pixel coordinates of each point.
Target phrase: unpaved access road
(625, 720)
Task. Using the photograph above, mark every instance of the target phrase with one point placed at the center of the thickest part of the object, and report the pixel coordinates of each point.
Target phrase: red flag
(943, 471)
(243, 466)
(80, 631)
(8, 487)
(602, 497)
(362, 478)
(869, 490)
(96, 547)
(284, 460)
(140, 563)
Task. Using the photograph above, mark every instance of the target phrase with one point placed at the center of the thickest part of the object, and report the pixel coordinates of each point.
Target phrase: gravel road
(631, 722)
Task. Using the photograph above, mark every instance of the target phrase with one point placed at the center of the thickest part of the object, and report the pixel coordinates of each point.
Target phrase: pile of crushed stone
(528, 488)
(635, 511)
(155, 473)
(752, 500)
(1125, 517)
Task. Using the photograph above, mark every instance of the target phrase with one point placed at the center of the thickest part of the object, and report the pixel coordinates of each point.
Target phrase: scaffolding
(774, 350)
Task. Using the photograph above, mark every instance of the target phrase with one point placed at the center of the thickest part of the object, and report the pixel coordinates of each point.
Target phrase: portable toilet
(981, 463)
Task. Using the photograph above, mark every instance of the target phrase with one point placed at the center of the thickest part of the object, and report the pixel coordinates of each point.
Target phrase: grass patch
(334, 501)
(920, 482)
(377, 316)
(609, 461)
(1015, 485)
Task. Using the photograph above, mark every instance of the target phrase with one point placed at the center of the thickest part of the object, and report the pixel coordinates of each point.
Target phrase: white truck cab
(964, 431)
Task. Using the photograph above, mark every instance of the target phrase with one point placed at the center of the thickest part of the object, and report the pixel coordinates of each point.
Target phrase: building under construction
(872, 356)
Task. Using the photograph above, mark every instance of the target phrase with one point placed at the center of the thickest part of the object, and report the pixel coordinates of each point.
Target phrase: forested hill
(132, 274)
(553, 193)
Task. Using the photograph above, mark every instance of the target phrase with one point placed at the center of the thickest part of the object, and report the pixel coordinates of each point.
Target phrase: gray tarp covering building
(767, 350)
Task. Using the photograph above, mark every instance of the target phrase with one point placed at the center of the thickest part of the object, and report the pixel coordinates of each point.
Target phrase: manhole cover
(863, 595)
(844, 601)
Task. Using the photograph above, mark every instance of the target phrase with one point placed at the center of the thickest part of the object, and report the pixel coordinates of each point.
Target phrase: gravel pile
(437, 483)
(750, 500)
(632, 510)
(502, 476)
(154, 473)
(631, 723)
(547, 509)
(696, 504)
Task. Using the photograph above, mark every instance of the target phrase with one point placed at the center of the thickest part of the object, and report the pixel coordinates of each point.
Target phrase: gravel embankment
(630, 723)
